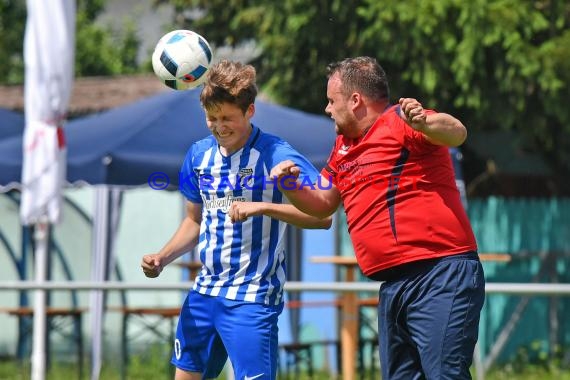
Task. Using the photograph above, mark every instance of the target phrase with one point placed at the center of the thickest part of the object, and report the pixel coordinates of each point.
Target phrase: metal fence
(526, 289)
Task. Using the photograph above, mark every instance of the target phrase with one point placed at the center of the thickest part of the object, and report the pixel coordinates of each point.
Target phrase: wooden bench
(297, 355)
(150, 319)
(53, 316)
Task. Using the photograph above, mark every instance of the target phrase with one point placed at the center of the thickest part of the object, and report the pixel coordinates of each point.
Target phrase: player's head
(228, 98)
(363, 75)
(356, 86)
(229, 82)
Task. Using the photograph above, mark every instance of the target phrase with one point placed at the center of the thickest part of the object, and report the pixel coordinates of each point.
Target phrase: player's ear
(355, 99)
(250, 111)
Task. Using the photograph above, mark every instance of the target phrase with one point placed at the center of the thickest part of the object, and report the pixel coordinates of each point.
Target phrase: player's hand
(285, 173)
(413, 113)
(151, 265)
(240, 211)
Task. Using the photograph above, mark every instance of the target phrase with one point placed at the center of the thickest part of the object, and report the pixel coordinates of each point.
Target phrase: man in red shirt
(391, 168)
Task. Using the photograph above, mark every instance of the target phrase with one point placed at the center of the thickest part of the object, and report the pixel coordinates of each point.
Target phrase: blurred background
(500, 66)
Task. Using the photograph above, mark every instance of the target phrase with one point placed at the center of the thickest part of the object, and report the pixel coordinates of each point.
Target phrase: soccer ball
(181, 59)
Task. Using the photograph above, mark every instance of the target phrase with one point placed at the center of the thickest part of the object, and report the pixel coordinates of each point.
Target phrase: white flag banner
(49, 50)
(43, 172)
(49, 47)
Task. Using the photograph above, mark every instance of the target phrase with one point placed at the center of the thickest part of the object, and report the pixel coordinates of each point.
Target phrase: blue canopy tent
(11, 126)
(125, 145)
(11, 123)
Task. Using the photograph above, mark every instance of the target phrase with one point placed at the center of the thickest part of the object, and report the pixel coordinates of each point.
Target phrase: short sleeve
(188, 180)
(283, 151)
(413, 140)
(330, 170)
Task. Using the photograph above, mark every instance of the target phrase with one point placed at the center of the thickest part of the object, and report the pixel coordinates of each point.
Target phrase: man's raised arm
(319, 200)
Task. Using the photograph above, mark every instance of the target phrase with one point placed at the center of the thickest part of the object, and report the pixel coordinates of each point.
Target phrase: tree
(12, 24)
(98, 51)
(494, 63)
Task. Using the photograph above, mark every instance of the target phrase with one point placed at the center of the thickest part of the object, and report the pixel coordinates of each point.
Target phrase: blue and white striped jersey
(241, 261)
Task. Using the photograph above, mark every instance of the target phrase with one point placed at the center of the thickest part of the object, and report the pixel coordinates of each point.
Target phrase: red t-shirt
(399, 194)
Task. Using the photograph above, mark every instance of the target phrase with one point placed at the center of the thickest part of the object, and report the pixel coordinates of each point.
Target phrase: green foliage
(102, 51)
(537, 358)
(494, 63)
(12, 14)
(99, 51)
(297, 39)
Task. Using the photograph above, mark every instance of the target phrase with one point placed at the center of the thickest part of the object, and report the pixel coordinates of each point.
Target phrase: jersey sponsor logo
(348, 166)
(222, 204)
(244, 172)
(245, 177)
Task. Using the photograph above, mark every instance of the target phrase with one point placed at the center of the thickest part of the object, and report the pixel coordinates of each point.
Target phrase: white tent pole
(100, 238)
(40, 257)
(114, 210)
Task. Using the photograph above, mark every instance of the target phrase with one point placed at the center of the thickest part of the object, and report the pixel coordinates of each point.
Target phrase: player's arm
(184, 240)
(320, 200)
(439, 128)
(240, 211)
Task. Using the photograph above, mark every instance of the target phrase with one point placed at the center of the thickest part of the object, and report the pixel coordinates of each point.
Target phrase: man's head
(228, 98)
(357, 90)
(363, 75)
(229, 82)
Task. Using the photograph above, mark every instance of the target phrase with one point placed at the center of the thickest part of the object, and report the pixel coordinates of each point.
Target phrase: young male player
(236, 216)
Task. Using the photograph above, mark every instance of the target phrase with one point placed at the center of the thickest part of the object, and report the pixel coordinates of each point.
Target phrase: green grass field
(139, 370)
(154, 365)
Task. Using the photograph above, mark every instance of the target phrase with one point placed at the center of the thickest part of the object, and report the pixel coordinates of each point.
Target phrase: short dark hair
(361, 74)
(229, 82)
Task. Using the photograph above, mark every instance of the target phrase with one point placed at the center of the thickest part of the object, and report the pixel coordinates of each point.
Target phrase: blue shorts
(212, 328)
(429, 319)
